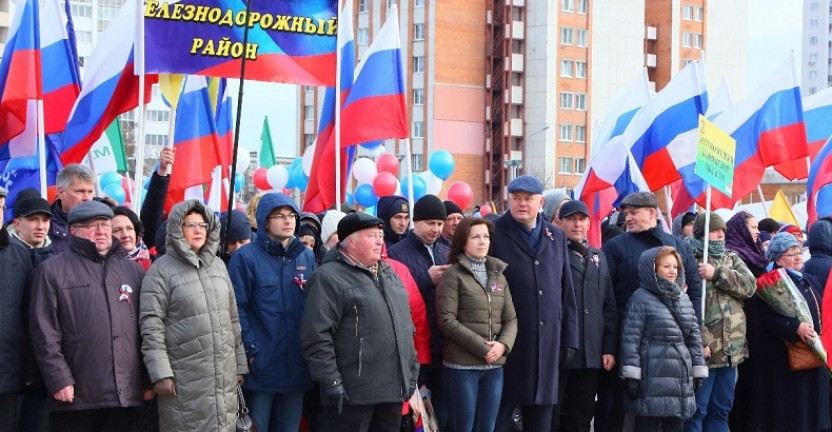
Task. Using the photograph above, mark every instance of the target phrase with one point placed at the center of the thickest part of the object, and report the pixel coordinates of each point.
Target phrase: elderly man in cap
(598, 323)
(547, 321)
(91, 366)
(452, 221)
(357, 333)
(643, 232)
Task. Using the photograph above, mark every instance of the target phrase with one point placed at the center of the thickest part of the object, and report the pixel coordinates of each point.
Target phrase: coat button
(541, 323)
(586, 311)
(540, 292)
(120, 391)
(536, 262)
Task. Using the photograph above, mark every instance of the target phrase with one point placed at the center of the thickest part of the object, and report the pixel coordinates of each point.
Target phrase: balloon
(243, 159)
(300, 178)
(277, 176)
(388, 163)
(350, 199)
(51, 194)
(372, 145)
(239, 182)
(128, 186)
(307, 158)
(108, 178)
(398, 191)
(461, 194)
(116, 192)
(378, 151)
(365, 196)
(433, 184)
(371, 210)
(296, 162)
(384, 184)
(364, 170)
(419, 187)
(290, 181)
(484, 210)
(260, 179)
(146, 183)
(441, 164)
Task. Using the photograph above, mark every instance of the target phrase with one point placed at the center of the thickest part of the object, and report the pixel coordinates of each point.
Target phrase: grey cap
(640, 199)
(3, 192)
(526, 183)
(89, 210)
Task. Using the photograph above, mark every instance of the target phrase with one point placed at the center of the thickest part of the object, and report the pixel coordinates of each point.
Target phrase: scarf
(579, 248)
(140, 252)
(739, 240)
(668, 288)
(716, 249)
(479, 270)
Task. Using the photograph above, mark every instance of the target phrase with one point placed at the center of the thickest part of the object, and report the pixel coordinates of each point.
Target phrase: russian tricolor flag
(110, 86)
(195, 138)
(819, 203)
(817, 116)
(61, 80)
(225, 129)
(20, 82)
(320, 192)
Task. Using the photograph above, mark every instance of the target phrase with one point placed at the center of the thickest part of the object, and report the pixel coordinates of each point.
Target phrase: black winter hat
(30, 204)
(240, 226)
(389, 206)
(768, 225)
(429, 207)
(134, 218)
(688, 217)
(451, 208)
(355, 222)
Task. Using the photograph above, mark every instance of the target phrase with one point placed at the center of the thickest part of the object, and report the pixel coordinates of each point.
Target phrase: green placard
(715, 156)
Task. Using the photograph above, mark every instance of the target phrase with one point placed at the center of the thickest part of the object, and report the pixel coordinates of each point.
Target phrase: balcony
(516, 3)
(517, 62)
(518, 30)
(650, 60)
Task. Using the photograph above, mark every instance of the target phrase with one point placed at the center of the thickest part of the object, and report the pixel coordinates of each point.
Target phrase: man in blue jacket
(269, 277)
(547, 322)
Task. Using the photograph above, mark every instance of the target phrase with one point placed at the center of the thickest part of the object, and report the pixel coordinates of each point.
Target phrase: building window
(418, 129)
(418, 96)
(566, 68)
(309, 112)
(813, 90)
(418, 64)
(687, 12)
(154, 91)
(390, 3)
(567, 100)
(686, 61)
(697, 41)
(687, 39)
(580, 101)
(309, 88)
(158, 115)
(699, 14)
(565, 165)
(362, 5)
(155, 140)
(813, 40)
(583, 6)
(418, 164)
(418, 3)
(566, 132)
(568, 5)
(419, 31)
(566, 36)
(83, 37)
(363, 36)
(813, 6)
(580, 165)
(813, 58)
(580, 69)
(81, 11)
(813, 75)
(580, 134)
(581, 39)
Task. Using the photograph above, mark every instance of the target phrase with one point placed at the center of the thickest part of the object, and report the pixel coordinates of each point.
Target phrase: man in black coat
(547, 322)
(643, 232)
(597, 324)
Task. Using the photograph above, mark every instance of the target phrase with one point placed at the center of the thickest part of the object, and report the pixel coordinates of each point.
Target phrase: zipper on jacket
(360, 354)
(355, 309)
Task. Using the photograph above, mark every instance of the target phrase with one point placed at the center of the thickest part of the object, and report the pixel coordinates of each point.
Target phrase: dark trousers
(8, 411)
(577, 400)
(34, 413)
(537, 418)
(609, 411)
(654, 424)
(385, 417)
(104, 420)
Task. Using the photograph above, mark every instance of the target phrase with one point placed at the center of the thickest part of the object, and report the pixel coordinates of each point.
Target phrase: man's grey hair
(343, 243)
(73, 172)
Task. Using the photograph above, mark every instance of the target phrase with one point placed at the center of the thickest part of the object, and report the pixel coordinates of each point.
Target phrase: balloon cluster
(117, 187)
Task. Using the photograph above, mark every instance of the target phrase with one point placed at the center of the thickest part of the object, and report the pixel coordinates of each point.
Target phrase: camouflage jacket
(723, 329)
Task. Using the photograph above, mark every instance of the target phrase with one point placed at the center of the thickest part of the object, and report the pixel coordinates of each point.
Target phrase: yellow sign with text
(715, 152)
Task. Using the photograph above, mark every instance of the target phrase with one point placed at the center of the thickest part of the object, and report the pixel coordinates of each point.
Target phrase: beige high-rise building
(5, 20)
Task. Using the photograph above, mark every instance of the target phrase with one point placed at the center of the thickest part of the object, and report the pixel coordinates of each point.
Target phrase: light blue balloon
(441, 164)
(108, 178)
(365, 196)
(239, 182)
(296, 162)
(350, 199)
(146, 184)
(371, 210)
(116, 192)
(420, 188)
(299, 178)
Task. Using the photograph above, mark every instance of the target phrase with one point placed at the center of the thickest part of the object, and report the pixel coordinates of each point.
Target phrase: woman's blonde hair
(251, 209)
(665, 251)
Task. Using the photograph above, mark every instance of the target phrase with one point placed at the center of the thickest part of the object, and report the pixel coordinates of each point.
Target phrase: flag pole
(42, 149)
(668, 203)
(409, 163)
(237, 129)
(705, 247)
(139, 151)
(338, 61)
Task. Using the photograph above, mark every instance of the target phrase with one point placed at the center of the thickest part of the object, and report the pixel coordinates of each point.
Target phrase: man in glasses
(84, 326)
(269, 277)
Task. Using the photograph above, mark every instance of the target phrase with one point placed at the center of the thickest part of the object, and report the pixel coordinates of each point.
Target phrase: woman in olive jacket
(477, 318)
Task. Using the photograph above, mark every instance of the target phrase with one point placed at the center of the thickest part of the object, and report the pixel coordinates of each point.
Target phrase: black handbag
(244, 422)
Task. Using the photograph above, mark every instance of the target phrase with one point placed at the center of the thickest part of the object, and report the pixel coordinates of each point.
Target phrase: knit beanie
(716, 223)
(551, 201)
(451, 208)
(389, 206)
(240, 227)
(690, 217)
(329, 225)
(768, 225)
(779, 244)
(429, 207)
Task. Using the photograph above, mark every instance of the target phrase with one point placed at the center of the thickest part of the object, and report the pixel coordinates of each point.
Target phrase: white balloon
(378, 151)
(432, 182)
(306, 160)
(364, 170)
(278, 176)
(243, 159)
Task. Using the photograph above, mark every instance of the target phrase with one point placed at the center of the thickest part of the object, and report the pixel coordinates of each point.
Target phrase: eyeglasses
(792, 255)
(104, 226)
(282, 216)
(193, 226)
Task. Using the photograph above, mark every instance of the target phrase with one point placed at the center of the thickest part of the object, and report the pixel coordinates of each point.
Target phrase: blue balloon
(239, 182)
(116, 192)
(420, 188)
(108, 178)
(441, 164)
(372, 144)
(146, 184)
(365, 196)
(371, 210)
(296, 162)
(350, 199)
(299, 178)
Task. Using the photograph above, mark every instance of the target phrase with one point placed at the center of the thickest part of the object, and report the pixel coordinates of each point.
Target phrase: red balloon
(461, 194)
(52, 193)
(484, 210)
(388, 162)
(385, 183)
(261, 179)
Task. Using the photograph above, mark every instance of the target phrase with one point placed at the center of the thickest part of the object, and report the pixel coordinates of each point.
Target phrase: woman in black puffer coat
(661, 348)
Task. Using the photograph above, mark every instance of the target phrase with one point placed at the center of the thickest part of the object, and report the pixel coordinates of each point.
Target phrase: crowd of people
(112, 320)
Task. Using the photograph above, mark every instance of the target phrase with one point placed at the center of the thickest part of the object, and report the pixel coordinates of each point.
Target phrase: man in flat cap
(547, 321)
(357, 333)
(84, 327)
(643, 232)
(452, 220)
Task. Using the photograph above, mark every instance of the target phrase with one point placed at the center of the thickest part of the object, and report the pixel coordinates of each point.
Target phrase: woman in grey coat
(661, 347)
(190, 328)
